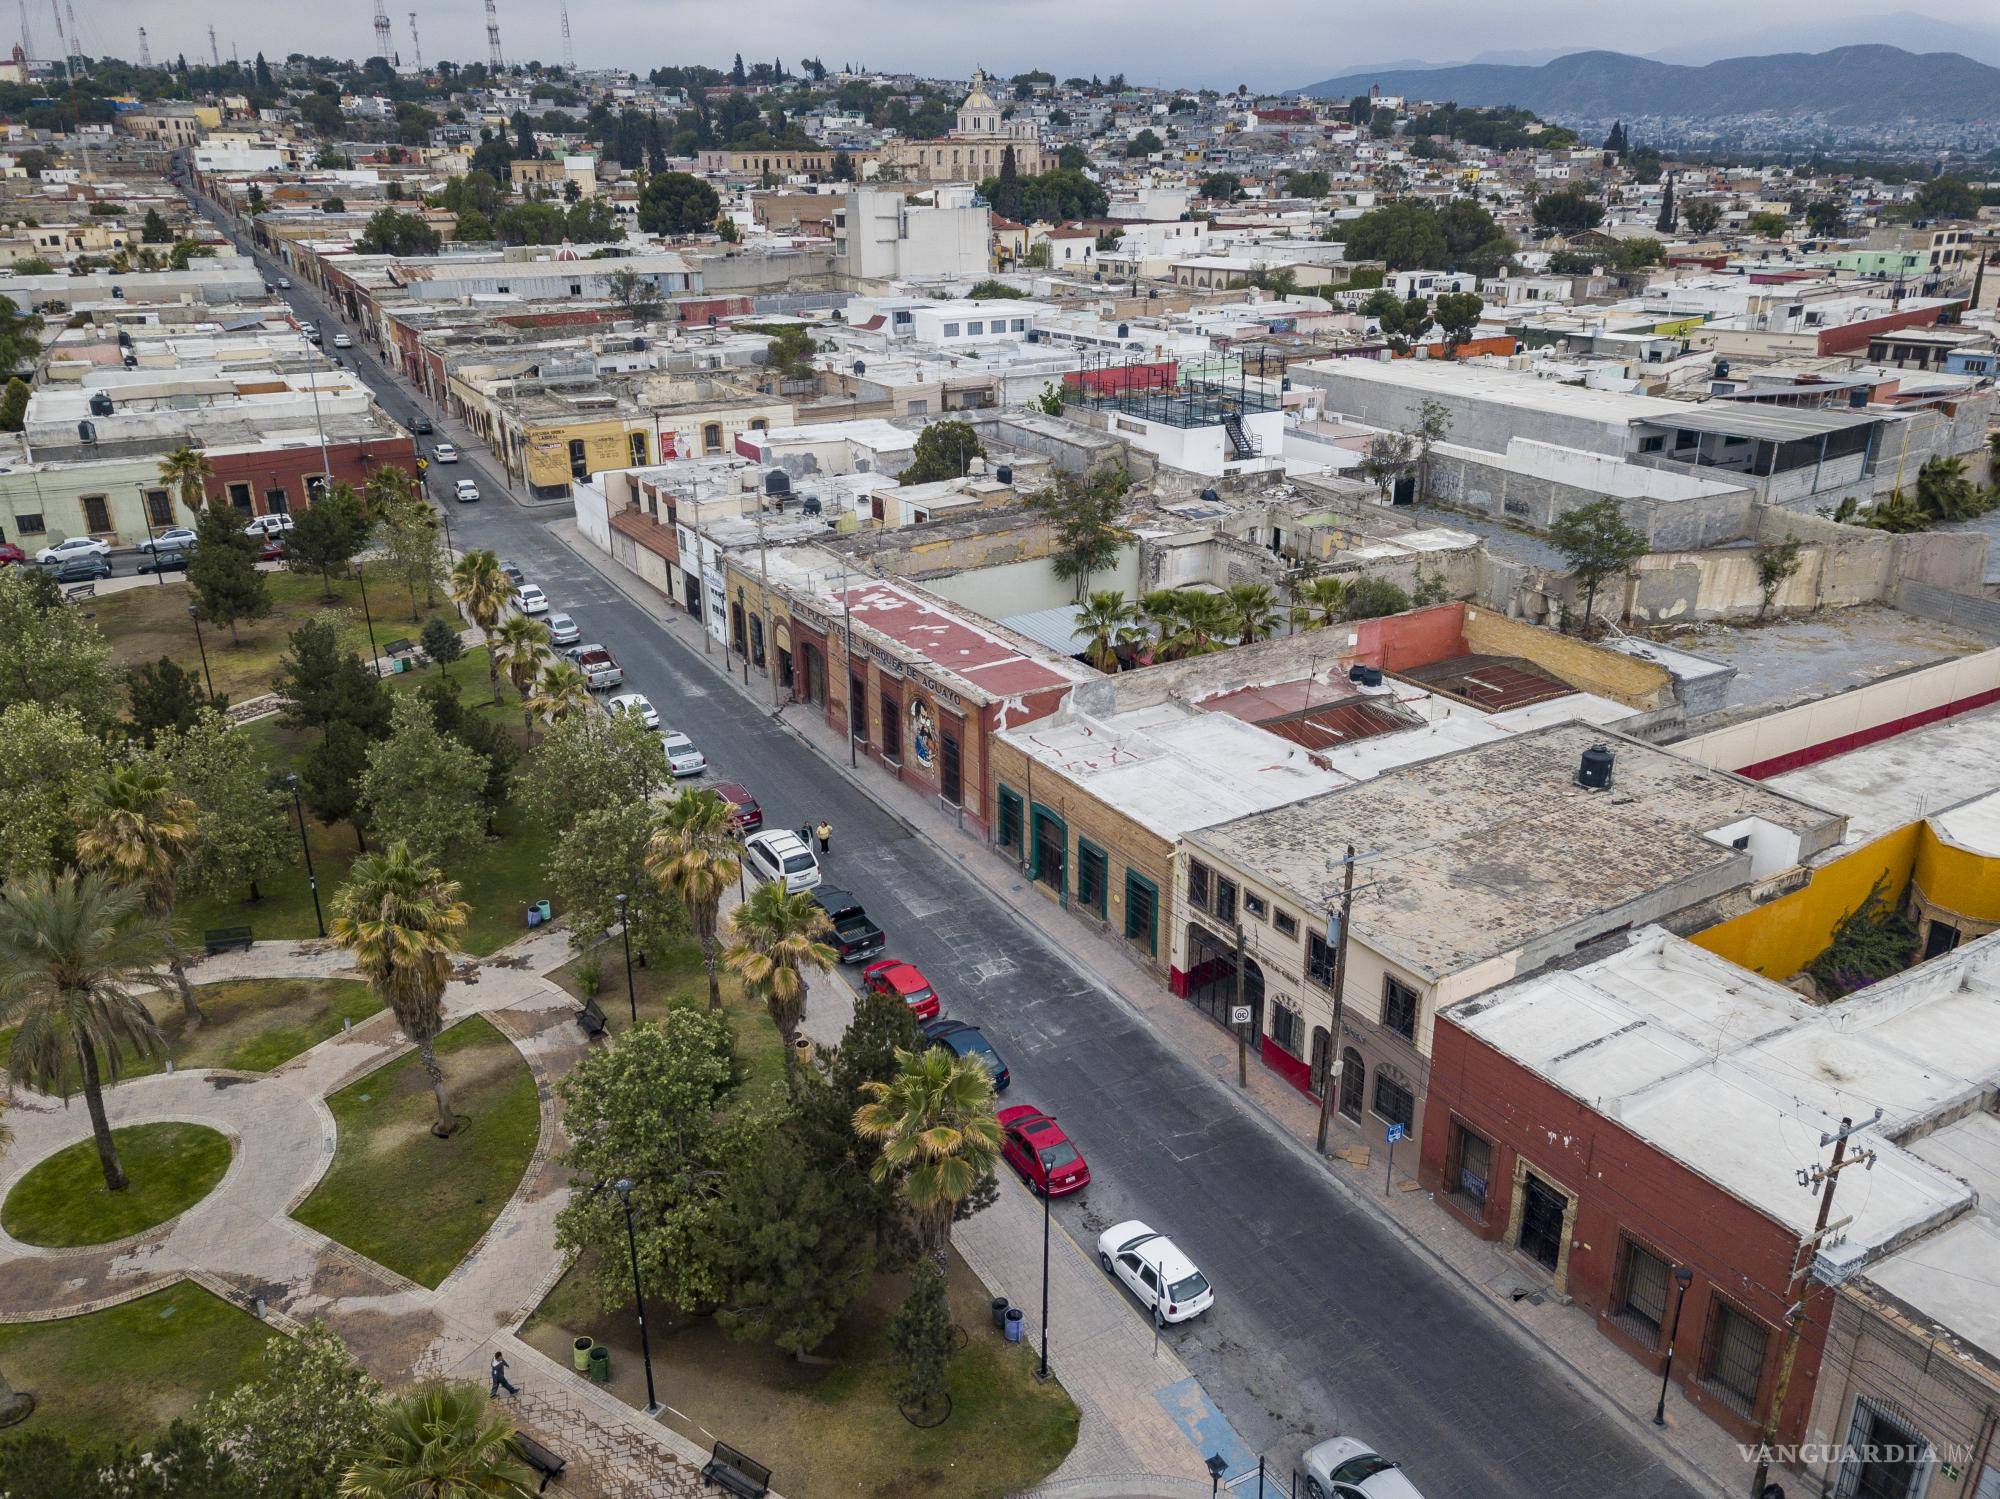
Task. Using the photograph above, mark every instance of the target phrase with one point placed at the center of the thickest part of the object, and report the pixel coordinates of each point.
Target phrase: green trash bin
(542, 909)
(579, 1354)
(600, 1364)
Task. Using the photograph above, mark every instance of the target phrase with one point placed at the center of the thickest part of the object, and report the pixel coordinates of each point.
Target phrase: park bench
(538, 1457)
(400, 648)
(221, 938)
(591, 1018)
(733, 1471)
(80, 591)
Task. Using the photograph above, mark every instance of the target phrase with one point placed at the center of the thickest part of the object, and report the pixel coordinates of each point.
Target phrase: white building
(879, 235)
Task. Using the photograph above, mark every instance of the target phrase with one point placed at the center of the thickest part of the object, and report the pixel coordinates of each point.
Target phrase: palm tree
(562, 689)
(934, 1121)
(521, 646)
(73, 948)
(777, 934)
(1208, 622)
(1318, 604)
(481, 590)
(186, 470)
(1256, 609)
(400, 918)
(694, 854)
(1110, 623)
(140, 833)
(1164, 609)
(439, 1442)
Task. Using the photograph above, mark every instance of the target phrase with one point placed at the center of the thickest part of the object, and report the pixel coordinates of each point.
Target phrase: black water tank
(100, 404)
(1211, 496)
(860, 368)
(1371, 676)
(1004, 473)
(86, 431)
(1593, 771)
(810, 504)
(1356, 672)
(777, 481)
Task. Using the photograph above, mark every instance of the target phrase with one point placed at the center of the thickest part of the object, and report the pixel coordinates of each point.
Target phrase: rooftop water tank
(1004, 473)
(100, 403)
(777, 481)
(1593, 770)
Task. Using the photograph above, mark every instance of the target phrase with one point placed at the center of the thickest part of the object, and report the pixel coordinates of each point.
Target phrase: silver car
(563, 630)
(1346, 1468)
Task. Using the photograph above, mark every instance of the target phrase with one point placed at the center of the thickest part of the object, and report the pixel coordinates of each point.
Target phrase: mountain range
(1858, 85)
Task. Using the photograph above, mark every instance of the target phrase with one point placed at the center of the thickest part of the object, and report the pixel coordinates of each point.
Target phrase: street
(1325, 1321)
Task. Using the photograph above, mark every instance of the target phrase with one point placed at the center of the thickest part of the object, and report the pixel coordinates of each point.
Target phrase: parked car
(1166, 1281)
(513, 574)
(11, 554)
(444, 452)
(421, 426)
(907, 982)
(273, 549)
(782, 856)
(683, 759)
(969, 1041)
(269, 525)
(81, 569)
(1347, 1468)
(743, 808)
(165, 560)
(284, 283)
(531, 600)
(342, 341)
(563, 630)
(174, 538)
(854, 936)
(72, 547)
(466, 492)
(636, 704)
(599, 667)
(1036, 1147)
(311, 333)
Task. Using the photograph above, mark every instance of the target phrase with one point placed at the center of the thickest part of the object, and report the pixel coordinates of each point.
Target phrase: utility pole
(1334, 1069)
(1240, 1027)
(1800, 1284)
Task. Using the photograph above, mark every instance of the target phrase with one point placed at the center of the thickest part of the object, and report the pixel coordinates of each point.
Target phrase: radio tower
(145, 52)
(75, 42)
(27, 41)
(416, 47)
(214, 51)
(569, 52)
(493, 61)
(383, 45)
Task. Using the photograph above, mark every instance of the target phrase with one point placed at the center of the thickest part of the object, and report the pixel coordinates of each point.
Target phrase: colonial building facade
(974, 149)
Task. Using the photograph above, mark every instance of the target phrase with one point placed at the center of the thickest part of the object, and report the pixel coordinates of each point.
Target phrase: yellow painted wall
(1586, 667)
(605, 445)
(1957, 879)
(1780, 938)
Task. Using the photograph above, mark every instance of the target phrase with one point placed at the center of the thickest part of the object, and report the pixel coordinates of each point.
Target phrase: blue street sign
(1396, 1132)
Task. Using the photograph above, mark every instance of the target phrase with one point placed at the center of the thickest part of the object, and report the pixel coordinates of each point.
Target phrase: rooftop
(1501, 386)
(1896, 781)
(997, 665)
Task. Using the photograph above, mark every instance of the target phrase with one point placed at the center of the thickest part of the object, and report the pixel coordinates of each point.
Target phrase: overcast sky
(1271, 44)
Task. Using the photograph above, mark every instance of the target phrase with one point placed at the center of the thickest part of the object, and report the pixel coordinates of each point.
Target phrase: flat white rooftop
(1892, 783)
(1498, 385)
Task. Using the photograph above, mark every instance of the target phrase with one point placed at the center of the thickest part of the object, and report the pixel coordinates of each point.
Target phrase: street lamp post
(305, 847)
(625, 931)
(1682, 1275)
(374, 653)
(1042, 1372)
(623, 1187)
(194, 613)
(152, 546)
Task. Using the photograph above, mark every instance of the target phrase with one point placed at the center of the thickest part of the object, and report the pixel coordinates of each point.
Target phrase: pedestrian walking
(500, 1380)
(823, 830)
(806, 834)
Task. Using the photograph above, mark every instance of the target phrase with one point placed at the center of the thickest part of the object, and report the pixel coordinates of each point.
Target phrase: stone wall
(1586, 667)
(1536, 494)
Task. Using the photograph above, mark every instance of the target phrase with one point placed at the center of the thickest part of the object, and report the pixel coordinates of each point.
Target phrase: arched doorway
(1211, 980)
(1353, 1083)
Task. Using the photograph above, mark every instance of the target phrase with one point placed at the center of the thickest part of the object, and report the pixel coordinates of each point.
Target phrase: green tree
(50, 758)
(140, 831)
(164, 695)
(412, 543)
(401, 919)
(1665, 222)
(482, 590)
(331, 780)
(50, 653)
(439, 640)
(292, 1427)
(1945, 493)
(1457, 313)
(425, 785)
(20, 333)
(1767, 224)
(777, 936)
(1570, 211)
(1145, 143)
(323, 685)
(1825, 218)
(677, 203)
(790, 351)
(1403, 235)
(74, 949)
(1317, 603)
(589, 761)
(1306, 184)
(186, 471)
(1085, 517)
(392, 231)
(1598, 545)
(1776, 562)
(920, 1337)
(561, 692)
(934, 1122)
(1254, 608)
(328, 534)
(1388, 457)
(471, 227)
(14, 405)
(1947, 196)
(649, 1110)
(222, 572)
(693, 854)
(1372, 598)
(480, 734)
(439, 1442)
(943, 450)
(1222, 187)
(1702, 215)
(600, 858)
(637, 296)
(1111, 625)
(243, 823)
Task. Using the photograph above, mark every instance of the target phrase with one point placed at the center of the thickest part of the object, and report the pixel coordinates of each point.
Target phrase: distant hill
(1847, 86)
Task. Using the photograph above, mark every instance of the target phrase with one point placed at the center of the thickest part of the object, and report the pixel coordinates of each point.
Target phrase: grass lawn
(831, 1428)
(143, 624)
(405, 1198)
(62, 1201)
(123, 1373)
(253, 1025)
(677, 979)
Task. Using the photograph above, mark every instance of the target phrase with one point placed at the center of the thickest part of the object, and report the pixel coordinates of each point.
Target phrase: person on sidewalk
(500, 1380)
(823, 830)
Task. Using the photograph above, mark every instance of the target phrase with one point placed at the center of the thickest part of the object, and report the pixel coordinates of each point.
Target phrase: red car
(273, 549)
(1037, 1148)
(907, 982)
(743, 808)
(11, 554)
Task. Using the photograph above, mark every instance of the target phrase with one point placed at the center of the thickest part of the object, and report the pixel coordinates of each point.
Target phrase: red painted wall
(1115, 379)
(1623, 1186)
(1403, 641)
(1853, 338)
(286, 468)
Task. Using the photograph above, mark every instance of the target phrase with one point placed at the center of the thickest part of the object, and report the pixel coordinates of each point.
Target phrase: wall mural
(923, 733)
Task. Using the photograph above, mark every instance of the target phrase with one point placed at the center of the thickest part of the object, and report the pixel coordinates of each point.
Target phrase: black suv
(854, 936)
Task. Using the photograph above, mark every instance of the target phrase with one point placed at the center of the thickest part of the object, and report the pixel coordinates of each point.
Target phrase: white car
(284, 283)
(342, 341)
(531, 600)
(173, 539)
(444, 452)
(273, 524)
(634, 703)
(467, 493)
(1166, 1281)
(73, 547)
(782, 856)
(1344, 1468)
(683, 759)
(563, 630)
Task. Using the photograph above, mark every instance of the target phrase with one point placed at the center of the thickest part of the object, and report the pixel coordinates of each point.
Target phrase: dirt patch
(391, 1346)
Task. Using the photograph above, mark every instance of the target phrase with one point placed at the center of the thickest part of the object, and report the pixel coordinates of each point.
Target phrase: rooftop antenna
(27, 41)
(494, 62)
(145, 52)
(214, 51)
(75, 40)
(384, 47)
(416, 47)
(569, 52)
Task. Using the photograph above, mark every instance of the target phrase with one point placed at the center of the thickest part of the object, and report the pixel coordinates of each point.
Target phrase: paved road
(1324, 1320)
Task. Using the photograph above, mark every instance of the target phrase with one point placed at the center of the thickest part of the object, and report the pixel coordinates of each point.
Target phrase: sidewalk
(1706, 1455)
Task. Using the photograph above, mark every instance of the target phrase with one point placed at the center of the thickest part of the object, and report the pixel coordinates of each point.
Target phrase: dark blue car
(967, 1041)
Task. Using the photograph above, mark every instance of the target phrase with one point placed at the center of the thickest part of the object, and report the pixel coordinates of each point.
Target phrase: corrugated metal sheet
(1054, 628)
(1489, 682)
(1340, 723)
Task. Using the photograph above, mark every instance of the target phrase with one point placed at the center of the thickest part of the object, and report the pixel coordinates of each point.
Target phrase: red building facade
(260, 481)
